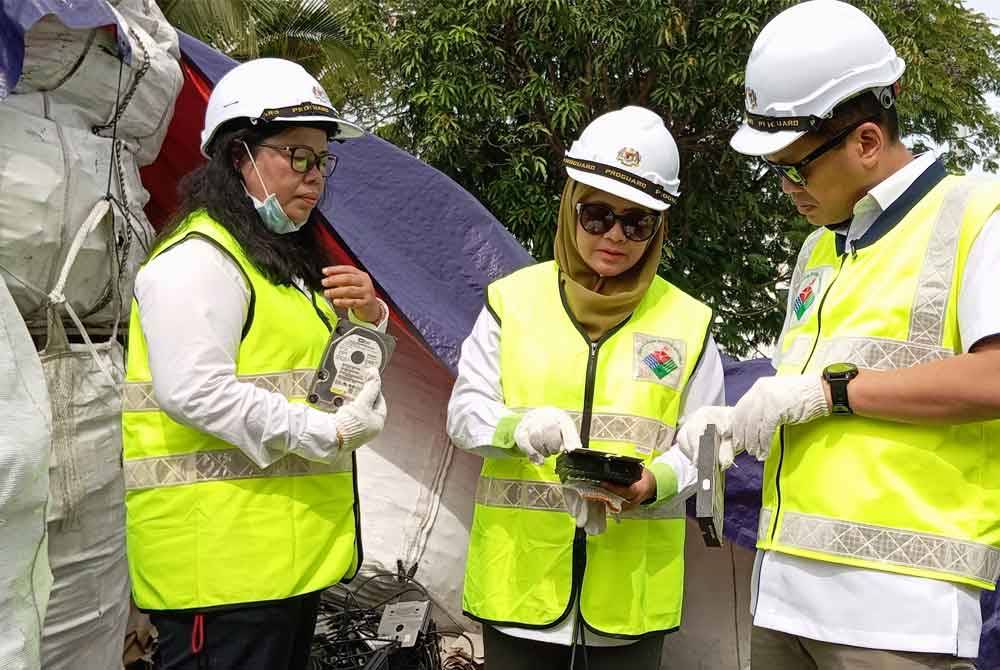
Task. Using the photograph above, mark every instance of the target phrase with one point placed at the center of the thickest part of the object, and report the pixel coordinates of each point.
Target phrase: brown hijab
(599, 303)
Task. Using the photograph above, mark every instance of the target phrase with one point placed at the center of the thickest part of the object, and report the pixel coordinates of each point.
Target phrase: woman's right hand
(362, 419)
(546, 431)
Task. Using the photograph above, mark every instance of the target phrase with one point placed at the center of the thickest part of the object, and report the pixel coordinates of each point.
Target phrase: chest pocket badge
(807, 295)
(658, 360)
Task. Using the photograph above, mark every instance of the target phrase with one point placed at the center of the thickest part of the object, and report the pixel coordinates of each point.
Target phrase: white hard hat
(806, 61)
(271, 89)
(628, 153)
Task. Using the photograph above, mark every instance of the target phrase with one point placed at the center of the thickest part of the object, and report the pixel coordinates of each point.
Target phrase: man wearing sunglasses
(880, 523)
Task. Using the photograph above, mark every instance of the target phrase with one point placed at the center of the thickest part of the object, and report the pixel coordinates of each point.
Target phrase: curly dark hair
(217, 187)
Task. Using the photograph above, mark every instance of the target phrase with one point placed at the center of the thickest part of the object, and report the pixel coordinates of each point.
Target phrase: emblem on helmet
(628, 157)
(751, 99)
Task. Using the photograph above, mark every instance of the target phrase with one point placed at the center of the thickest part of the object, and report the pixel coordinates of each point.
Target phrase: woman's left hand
(350, 288)
(637, 493)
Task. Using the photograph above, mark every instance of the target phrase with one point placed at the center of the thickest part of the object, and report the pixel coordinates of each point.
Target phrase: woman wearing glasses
(241, 499)
(592, 350)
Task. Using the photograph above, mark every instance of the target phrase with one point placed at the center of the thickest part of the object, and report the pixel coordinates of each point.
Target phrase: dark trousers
(505, 652)
(270, 636)
(775, 650)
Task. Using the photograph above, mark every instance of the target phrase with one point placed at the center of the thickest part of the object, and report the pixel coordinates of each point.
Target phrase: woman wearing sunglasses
(591, 350)
(241, 498)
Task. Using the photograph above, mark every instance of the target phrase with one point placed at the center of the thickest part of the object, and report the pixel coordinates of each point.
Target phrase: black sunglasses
(598, 219)
(795, 172)
(302, 159)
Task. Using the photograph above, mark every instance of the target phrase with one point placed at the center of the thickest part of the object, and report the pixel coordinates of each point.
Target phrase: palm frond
(312, 33)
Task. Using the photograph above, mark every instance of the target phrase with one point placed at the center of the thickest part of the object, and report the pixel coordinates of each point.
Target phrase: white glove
(773, 402)
(688, 438)
(589, 504)
(545, 431)
(362, 419)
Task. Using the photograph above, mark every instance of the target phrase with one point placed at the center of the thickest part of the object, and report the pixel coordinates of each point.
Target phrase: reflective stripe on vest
(548, 497)
(894, 546)
(216, 466)
(649, 436)
(138, 396)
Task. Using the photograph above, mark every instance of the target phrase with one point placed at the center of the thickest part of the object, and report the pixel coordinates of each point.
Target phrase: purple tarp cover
(430, 246)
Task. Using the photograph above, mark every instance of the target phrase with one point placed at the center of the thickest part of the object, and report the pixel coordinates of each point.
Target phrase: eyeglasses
(598, 219)
(302, 159)
(794, 172)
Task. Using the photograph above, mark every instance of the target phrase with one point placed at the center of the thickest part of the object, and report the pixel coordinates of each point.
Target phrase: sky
(990, 8)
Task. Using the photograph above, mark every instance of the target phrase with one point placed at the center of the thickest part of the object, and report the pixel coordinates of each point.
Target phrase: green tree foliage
(309, 32)
(493, 91)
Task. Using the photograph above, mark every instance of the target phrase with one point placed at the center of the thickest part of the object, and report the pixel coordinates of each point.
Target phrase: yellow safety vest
(914, 499)
(526, 559)
(206, 526)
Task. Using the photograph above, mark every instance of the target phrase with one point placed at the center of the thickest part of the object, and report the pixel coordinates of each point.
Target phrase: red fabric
(198, 634)
(181, 151)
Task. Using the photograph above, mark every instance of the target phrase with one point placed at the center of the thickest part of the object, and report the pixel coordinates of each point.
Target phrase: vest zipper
(781, 431)
(819, 314)
(777, 480)
(580, 536)
(588, 395)
(590, 381)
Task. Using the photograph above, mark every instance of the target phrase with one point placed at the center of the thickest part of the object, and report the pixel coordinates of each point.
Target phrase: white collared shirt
(877, 200)
(868, 608)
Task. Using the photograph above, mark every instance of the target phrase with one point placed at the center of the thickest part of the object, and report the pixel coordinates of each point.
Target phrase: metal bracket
(710, 499)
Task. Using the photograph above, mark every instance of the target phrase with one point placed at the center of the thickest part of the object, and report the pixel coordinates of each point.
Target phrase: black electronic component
(598, 466)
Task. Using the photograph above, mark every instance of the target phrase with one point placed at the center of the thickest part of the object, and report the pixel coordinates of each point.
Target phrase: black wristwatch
(837, 377)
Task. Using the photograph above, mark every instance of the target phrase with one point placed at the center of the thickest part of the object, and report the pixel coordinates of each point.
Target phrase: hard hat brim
(613, 187)
(759, 143)
(348, 131)
(345, 129)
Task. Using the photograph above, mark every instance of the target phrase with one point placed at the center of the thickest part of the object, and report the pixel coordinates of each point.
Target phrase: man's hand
(688, 438)
(773, 402)
(348, 287)
(637, 493)
(544, 432)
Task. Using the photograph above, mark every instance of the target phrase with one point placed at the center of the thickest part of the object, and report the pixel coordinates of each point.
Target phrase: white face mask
(270, 211)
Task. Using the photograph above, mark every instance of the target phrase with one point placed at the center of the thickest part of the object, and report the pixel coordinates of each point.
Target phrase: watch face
(840, 368)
